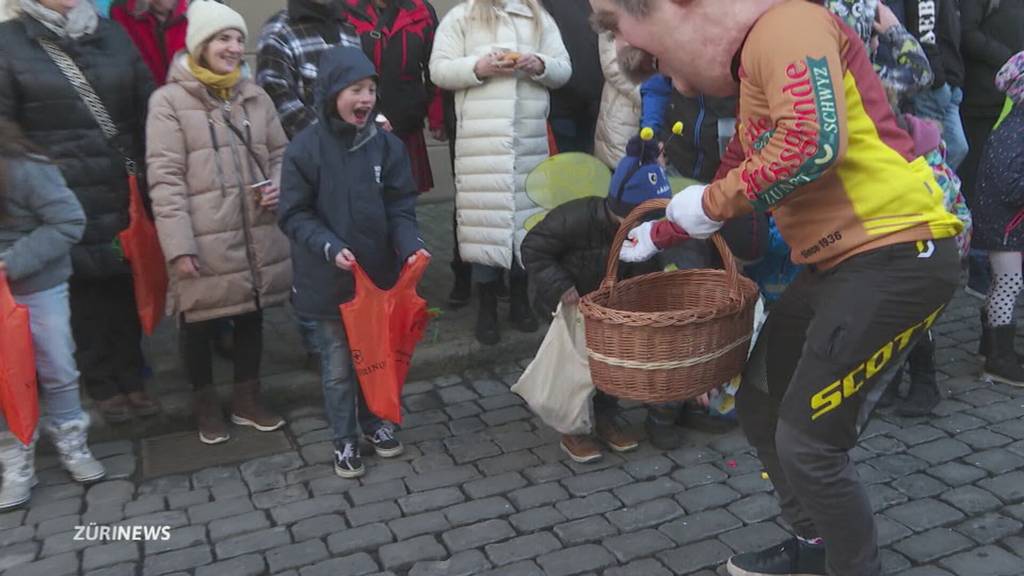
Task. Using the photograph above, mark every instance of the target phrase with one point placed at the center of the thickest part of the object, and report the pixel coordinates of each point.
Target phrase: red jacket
(157, 41)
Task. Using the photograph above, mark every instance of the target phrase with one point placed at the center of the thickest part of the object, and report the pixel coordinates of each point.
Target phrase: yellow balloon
(647, 133)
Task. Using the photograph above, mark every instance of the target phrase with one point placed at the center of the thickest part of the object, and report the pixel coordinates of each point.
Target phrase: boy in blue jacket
(347, 197)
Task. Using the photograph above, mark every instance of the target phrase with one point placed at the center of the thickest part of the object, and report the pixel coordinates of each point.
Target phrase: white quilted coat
(619, 118)
(501, 133)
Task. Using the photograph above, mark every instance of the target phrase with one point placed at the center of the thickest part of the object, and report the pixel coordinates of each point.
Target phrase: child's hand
(571, 297)
(703, 400)
(345, 260)
(421, 253)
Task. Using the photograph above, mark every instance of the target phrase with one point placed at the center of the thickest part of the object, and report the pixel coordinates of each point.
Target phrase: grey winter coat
(41, 221)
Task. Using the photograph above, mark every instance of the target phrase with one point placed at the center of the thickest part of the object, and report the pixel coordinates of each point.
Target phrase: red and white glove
(686, 210)
(639, 246)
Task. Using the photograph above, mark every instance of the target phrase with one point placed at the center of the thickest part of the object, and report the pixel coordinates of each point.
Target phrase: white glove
(686, 210)
(638, 246)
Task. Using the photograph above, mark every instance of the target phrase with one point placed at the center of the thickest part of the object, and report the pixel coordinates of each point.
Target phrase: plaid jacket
(287, 63)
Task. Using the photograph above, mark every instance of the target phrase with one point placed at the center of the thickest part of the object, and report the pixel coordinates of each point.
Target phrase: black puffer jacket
(36, 96)
(695, 154)
(570, 247)
(992, 32)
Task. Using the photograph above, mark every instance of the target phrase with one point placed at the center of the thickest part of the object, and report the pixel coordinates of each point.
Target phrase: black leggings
(197, 338)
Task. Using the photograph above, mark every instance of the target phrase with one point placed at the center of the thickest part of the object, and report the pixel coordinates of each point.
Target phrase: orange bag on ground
(383, 328)
(142, 250)
(19, 397)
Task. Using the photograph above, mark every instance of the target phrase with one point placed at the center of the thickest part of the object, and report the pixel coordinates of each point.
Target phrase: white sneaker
(19, 475)
(70, 440)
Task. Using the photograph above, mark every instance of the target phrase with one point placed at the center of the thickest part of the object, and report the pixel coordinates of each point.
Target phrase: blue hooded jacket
(343, 187)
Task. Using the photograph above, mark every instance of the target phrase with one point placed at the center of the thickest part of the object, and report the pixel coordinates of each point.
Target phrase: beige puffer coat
(619, 118)
(199, 176)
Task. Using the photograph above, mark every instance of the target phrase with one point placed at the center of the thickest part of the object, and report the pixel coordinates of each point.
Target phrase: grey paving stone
(295, 555)
(924, 514)
(331, 485)
(956, 474)
(235, 525)
(431, 500)
(739, 465)
(441, 478)
(290, 513)
(379, 512)
(869, 475)
(102, 513)
(40, 510)
(996, 461)
(547, 473)
(249, 565)
(354, 565)
(971, 500)
(203, 513)
(515, 441)
(687, 559)
(637, 492)
(503, 401)
(15, 535)
(926, 571)
(1008, 487)
(752, 483)
(209, 477)
(989, 528)
(755, 537)
(425, 433)
(645, 567)
(184, 537)
(957, 423)
(541, 495)
(649, 468)
(627, 547)
(104, 449)
(63, 542)
(522, 548)
(503, 415)
(477, 510)
(359, 539)
(408, 552)
(280, 496)
(124, 569)
(933, 544)
(111, 491)
(882, 497)
(53, 526)
(11, 519)
(424, 418)
(599, 481)
(707, 496)
(477, 535)
(51, 493)
(109, 554)
(466, 563)
(526, 568)
(510, 462)
(466, 425)
(267, 473)
(459, 393)
(494, 485)
(184, 559)
(418, 525)
(983, 439)
(230, 489)
(488, 387)
(317, 527)
(17, 554)
(984, 561)
(698, 475)
(177, 500)
(588, 505)
(432, 462)
(919, 486)
(893, 562)
(172, 518)
(119, 466)
(645, 514)
(378, 492)
(253, 542)
(1016, 511)
(144, 505)
(463, 410)
(701, 526)
(575, 560)
(61, 565)
(1012, 428)
(307, 424)
(884, 445)
(898, 465)
(536, 519)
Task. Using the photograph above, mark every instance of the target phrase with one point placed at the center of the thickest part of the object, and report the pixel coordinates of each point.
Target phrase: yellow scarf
(221, 84)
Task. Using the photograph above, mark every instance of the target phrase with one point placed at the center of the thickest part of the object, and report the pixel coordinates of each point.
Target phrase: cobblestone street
(484, 489)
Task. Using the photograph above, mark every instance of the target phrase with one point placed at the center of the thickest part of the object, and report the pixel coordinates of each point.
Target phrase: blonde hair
(486, 12)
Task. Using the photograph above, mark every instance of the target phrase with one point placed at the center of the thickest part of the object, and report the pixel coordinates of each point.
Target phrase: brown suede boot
(247, 408)
(209, 417)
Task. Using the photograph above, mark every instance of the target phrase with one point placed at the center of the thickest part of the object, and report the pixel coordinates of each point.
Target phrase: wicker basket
(668, 336)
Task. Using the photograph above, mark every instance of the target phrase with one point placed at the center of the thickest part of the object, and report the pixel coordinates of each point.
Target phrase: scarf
(1010, 79)
(80, 20)
(220, 84)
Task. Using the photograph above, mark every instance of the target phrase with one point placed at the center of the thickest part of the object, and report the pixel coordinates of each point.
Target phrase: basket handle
(634, 218)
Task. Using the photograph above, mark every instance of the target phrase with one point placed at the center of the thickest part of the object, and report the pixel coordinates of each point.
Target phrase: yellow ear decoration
(647, 134)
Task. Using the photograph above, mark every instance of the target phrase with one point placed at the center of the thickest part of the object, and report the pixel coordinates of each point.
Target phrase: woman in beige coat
(214, 152)
(619, 118)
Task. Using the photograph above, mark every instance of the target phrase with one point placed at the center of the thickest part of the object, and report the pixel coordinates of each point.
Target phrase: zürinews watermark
(120, 533)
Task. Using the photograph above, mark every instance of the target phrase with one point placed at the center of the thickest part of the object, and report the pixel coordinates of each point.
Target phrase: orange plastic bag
(142, 250)
(383, 328)
(19, 397)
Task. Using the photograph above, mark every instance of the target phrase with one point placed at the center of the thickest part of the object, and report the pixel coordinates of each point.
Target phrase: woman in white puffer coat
(619, 118)
(500, 58)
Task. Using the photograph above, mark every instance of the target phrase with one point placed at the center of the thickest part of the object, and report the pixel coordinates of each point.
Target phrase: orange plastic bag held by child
(383, 328)
(19, 398)
(142, 250)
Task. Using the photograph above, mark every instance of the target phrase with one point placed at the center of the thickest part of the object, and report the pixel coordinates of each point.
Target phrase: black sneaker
(347, 462)
(384, 442)
(791, 558)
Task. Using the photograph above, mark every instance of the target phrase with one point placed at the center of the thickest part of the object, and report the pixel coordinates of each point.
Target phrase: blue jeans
(50, 318)
(307, 331)
(943, 104)
(341, 389)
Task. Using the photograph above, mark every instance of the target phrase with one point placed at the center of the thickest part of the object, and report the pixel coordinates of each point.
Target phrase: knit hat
(638, 178)
(205, 19)
(1010, 78)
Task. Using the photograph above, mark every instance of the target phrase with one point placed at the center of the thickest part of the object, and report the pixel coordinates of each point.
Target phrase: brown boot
(209, 417)
(612, 432)
(248, 410)
(581, 448)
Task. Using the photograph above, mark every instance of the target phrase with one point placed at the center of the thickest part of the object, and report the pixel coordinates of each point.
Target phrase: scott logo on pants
(832, 396)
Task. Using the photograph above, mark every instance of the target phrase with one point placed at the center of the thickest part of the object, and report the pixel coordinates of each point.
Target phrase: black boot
(892, 391)
(924, 395)
(501, 289)
(462, 291)
(487, 317)
(983, 342)
(1001, 365)
(519, 313)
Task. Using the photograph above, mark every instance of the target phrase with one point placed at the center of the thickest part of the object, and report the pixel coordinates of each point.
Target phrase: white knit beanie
(205, 19)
